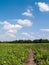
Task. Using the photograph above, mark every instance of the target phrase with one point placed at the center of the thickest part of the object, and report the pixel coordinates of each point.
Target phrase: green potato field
(16, 54)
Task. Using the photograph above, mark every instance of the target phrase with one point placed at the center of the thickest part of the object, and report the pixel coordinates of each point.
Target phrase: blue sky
(24, 19)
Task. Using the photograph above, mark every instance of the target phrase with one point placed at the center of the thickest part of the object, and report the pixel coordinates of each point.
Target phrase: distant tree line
(41, 41)
(28, 41)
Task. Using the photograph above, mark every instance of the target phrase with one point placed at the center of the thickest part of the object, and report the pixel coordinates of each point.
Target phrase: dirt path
(30, 60)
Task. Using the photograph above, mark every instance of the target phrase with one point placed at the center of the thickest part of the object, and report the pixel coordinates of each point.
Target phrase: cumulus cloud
(10, 35)
(7, 37)
(26, 34)
(12, 26)
(11, 29)
(43, 7)
(25, 22)
(9, 26)
(44, 30)
(4, 23)
(27, 13)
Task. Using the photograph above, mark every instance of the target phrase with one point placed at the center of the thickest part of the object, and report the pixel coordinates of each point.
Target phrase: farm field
(17, 54)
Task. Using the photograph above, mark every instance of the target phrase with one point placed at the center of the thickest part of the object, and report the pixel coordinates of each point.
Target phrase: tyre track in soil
(30, 60)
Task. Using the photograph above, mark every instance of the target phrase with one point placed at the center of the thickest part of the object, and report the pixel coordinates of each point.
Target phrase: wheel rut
(30, 60)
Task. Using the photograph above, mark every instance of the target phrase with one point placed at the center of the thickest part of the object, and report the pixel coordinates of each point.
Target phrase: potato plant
(16, 54)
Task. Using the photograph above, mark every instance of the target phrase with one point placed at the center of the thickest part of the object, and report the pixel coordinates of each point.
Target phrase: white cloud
(25, 22)
(10, 35)
(45, 30)
(11, 30)
(43, 7)
(9, 26)
(7, 37)
(27, 13)
(4, 23)
(26, 34)
(12, 26)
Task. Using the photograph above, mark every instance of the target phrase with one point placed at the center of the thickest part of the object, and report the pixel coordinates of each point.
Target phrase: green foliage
(12, 54)
(16, 54)
(42, 54)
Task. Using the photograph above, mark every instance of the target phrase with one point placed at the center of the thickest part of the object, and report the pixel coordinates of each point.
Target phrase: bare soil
(30, 60)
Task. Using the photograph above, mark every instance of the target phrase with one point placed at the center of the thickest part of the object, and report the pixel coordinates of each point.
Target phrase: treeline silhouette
(27, 41)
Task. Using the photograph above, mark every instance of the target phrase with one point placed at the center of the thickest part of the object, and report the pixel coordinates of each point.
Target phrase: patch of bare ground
(30, 60)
